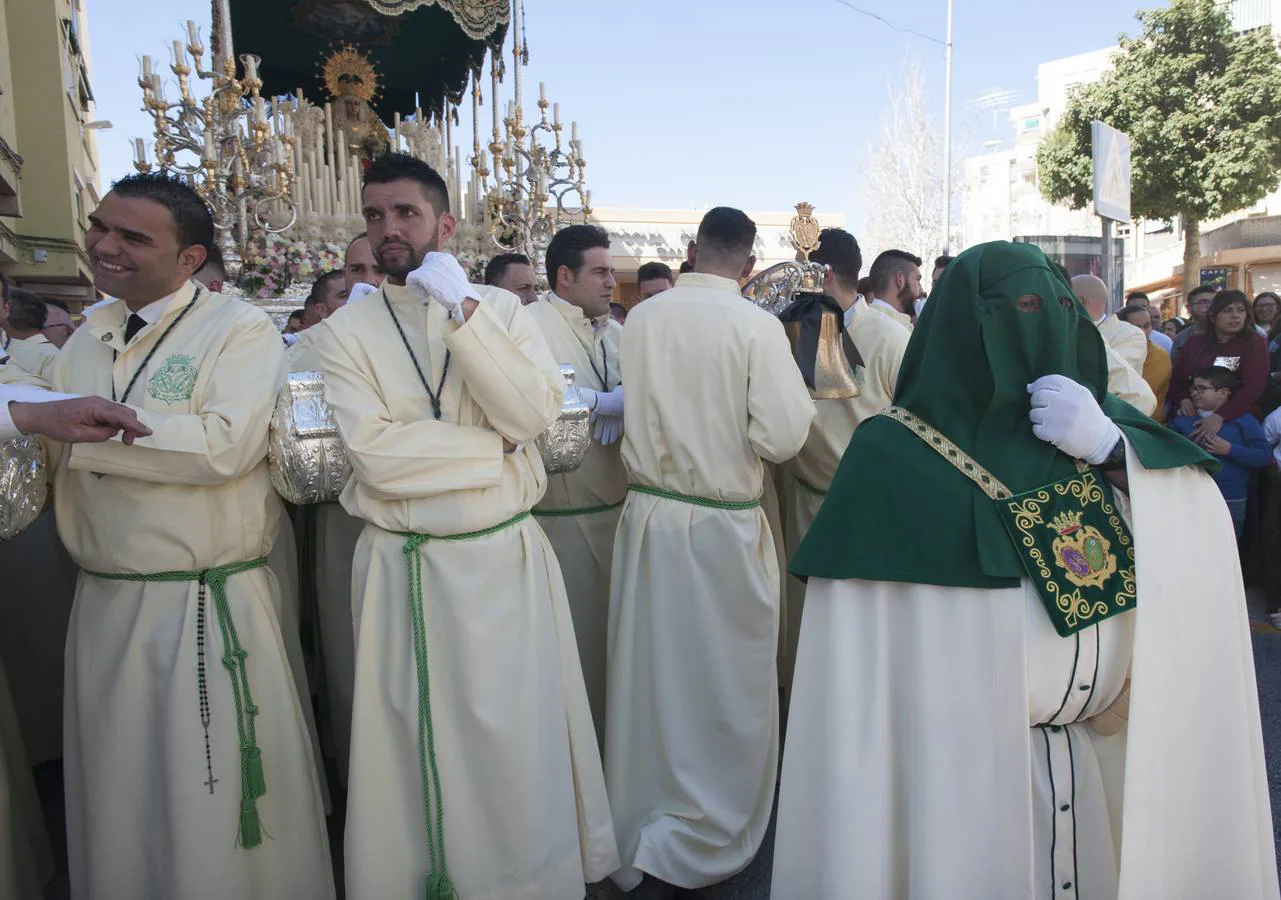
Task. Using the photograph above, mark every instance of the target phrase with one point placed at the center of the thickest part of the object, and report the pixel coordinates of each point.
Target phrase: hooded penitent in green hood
(1000, 318)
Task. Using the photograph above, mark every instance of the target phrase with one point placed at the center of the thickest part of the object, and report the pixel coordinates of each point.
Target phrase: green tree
(1202, 107)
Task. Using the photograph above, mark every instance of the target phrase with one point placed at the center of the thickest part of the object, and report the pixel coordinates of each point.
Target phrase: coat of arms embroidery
(1083, 553)
(174, 381)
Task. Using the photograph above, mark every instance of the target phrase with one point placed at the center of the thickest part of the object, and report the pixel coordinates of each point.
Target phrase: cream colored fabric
(584, 543)
(881, 341)
(34, 354)
(1127, 383)
(26, 859)
(692, 715)
(891, 313)
(525, 810)
(911, 771)
(301, 356)
(1129, 341)
(192, 495)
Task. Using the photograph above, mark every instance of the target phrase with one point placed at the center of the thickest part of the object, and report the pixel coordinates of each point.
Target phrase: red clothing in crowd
(1200, 352)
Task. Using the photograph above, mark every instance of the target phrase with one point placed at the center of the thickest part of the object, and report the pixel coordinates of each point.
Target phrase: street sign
(1111, 172)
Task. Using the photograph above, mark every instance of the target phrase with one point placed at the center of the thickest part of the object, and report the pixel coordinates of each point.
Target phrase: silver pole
(1108, 265)
(947, 137)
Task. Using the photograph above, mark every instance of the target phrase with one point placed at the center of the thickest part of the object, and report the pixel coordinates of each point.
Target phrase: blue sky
(694, 103)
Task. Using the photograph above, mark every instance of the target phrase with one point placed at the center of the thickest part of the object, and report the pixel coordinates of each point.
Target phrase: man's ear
(192, 259)
(749, 266)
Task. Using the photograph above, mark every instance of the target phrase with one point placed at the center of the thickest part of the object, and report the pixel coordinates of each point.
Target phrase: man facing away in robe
(26, 859)
(880, 341)
(474, 766)
(29, 348)
(1126, 345)
(952, 732)
(189, 772)
(580, 510)
(691, 725)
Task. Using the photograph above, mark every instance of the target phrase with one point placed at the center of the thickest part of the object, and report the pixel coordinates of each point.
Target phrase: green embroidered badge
(1076, 550)
(174, 381)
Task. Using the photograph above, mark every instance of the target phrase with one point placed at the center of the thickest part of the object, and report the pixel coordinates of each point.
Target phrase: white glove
(608, 429)
(442, 279)
(602, 403)
(360, 289)
(290, 339)
(1065, 414)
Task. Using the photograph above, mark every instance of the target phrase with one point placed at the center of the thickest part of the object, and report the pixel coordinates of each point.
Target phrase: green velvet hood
(1000, 317)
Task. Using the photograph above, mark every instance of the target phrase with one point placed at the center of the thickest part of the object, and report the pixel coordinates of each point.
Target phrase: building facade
(48, 152)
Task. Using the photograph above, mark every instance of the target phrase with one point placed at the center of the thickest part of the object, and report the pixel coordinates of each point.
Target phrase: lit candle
(139, 151)
(146, 68)
(179, 56)
(542, 91)
(193, 34)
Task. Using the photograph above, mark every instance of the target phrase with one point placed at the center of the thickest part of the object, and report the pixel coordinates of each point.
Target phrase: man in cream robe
(944, 739)
(880, 340)
(579, 511)
(35, 354)
(1127, 346)
(182, 717)
(474, 766)
(691, 739)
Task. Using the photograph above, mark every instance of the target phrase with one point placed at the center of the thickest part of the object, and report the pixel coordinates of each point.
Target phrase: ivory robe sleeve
(402, 460)
(509, 371)
(224, 440)
(1129, 341)
(779, 408)
(1127, 384)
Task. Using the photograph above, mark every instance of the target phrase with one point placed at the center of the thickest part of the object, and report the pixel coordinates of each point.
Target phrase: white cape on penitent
(911, 771)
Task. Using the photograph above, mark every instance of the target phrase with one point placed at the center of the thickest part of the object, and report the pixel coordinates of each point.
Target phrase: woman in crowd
(1230, 341)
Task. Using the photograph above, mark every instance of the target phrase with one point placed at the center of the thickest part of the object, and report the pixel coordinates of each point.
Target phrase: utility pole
(947, 136)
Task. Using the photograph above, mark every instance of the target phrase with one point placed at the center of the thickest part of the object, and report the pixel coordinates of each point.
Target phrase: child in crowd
(1240, 443)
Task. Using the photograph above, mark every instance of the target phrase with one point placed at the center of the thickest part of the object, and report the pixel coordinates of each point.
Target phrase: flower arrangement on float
(272, 263)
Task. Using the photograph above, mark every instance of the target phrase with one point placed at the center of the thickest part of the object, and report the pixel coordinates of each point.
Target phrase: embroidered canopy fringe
(252, 781)
(439, 885)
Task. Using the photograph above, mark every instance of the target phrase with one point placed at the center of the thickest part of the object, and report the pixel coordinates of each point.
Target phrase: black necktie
(135, 324)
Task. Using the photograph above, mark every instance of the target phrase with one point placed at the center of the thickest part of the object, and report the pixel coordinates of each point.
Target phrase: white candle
(193, 34)
(556, 113)
(542, 91)
(139, 151)
(157, 87)
(251, 66)
(542, 182)
(179, 55)
(587, 199)
(260, 110)
(578, 146)
(511, 109)
(573, 131)
(146, 68)
(209, 146)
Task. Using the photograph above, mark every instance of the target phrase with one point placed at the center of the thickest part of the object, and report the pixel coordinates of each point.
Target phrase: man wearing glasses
(58, 326)
(1198, 305)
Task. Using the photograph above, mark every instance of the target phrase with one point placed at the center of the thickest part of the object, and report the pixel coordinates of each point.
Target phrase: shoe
(1276, 620)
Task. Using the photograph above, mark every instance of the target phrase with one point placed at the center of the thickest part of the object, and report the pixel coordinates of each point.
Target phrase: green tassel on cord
(250, 824)
(255, 781)
(439, 887)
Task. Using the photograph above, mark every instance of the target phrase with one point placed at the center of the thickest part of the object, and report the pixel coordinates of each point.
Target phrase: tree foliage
(1202, 107)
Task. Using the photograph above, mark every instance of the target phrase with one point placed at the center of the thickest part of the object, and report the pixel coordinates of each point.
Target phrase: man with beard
(579, 512)
(895, 280)
(473, 761)
(175, 617)
(691, 729)
(1001, 691)
(513, 272)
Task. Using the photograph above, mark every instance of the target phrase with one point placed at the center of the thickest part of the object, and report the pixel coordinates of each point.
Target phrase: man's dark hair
(214, 265)
(941, 262)
(496, 268)
(402, 167)
(5, 286)
(298, 314)
(1130, 309)
(569, 246)
(61, 304)
(191, 216)
(685, 267)
(865, 287)
(1219, 376)
(316, 297)
(726, 233)
(1134, 297)
(27, 311)
(889, 264)
(618, 308)
(1202, 289)
(651, 271)
(839, 251)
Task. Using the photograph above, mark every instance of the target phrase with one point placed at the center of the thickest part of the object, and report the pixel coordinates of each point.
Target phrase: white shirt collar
(152, 312)
(850, 313)
(878, 302)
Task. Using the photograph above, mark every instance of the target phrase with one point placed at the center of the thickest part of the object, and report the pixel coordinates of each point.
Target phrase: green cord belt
(695, 501)
(580, 511)
(439, 885)
(252, 781)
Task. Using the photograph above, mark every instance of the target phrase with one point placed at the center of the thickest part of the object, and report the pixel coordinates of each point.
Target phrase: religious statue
(352, 83)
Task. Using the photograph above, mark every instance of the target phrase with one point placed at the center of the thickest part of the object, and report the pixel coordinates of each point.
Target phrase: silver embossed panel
(307, 459)
(23, 484)
(564, 445)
